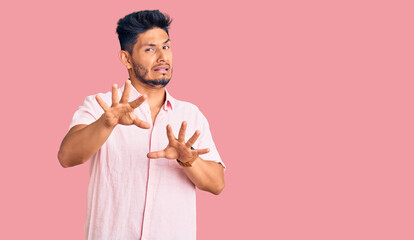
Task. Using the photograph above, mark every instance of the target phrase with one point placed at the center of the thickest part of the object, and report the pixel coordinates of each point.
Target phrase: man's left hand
(178, 148)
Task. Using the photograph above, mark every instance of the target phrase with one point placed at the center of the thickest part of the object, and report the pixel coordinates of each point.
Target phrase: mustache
(162, 64)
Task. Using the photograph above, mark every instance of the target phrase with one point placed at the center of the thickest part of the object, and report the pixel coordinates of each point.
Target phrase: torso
(154, 113)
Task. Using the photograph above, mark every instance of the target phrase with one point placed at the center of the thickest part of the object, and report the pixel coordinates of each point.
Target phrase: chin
(158, 83)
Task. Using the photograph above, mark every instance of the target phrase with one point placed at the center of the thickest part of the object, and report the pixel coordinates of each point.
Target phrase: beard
(141, 74)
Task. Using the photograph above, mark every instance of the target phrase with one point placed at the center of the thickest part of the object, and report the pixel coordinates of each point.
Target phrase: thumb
(158, 154)
(141, 124)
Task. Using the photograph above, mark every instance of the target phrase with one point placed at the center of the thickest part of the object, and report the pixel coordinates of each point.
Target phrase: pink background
(310, 104)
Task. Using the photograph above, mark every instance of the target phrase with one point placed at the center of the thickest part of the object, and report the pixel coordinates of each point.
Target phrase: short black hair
(135, 23)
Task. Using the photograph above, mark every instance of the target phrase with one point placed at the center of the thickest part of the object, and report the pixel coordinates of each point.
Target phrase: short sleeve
(86, 114)
(206, 141)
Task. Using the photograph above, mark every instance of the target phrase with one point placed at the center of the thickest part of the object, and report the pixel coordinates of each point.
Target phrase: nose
(162, 56)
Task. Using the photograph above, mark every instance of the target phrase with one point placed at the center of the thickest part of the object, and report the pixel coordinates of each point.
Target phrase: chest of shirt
(128, 146)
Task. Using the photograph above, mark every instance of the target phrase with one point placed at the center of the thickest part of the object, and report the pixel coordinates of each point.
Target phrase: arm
(206, 175)
(82, 141)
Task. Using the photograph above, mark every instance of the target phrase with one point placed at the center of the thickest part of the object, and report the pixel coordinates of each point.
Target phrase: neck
(155, 95)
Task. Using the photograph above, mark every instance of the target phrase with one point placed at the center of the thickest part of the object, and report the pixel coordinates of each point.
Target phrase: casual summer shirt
(131, 196)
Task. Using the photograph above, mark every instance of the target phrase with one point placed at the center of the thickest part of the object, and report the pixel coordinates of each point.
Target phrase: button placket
(152, 174)
(149, 191)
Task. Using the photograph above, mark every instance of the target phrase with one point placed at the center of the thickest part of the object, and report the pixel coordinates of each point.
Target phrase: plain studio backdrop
(310, 104)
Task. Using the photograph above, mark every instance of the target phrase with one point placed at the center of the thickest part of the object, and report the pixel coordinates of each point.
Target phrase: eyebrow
(153, 45)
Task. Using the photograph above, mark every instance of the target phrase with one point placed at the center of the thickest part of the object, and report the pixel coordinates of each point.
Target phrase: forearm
(206, 175)
(78, 146)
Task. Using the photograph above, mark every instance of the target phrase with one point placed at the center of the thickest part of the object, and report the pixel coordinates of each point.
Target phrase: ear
(125, 58)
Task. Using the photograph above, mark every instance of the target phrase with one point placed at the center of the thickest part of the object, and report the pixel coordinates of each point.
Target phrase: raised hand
(178, 148)
(122, 111)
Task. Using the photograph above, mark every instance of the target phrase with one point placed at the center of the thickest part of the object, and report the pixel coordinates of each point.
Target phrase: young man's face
(152, 58)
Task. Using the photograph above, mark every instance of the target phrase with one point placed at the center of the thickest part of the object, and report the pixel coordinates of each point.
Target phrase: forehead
(152, 36)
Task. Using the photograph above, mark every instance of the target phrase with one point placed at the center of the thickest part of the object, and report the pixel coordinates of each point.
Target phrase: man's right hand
(122, 111)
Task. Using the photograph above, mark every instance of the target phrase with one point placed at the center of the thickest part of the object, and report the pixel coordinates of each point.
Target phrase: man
(144, 146)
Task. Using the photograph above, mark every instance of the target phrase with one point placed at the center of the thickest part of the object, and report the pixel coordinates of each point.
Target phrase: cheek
(145, 60)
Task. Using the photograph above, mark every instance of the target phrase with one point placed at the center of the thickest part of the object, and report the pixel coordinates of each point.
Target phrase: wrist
(107, 122)
(187, 162)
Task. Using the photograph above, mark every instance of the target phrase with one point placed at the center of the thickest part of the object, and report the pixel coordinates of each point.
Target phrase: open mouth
(162, 69)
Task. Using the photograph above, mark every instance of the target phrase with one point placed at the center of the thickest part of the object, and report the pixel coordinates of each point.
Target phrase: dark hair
(135, 23)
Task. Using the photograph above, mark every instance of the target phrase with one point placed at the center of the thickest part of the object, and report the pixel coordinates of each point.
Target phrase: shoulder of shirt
(179, 104)
(107, 97)
(189, 108)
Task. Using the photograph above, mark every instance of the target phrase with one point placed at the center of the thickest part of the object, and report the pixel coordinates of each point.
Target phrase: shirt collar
(169, 102)
(167, 106)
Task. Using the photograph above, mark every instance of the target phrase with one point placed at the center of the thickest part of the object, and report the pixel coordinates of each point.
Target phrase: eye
(149, 49)
(166, 47)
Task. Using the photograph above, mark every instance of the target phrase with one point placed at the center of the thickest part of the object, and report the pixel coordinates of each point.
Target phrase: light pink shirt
(133, 197)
